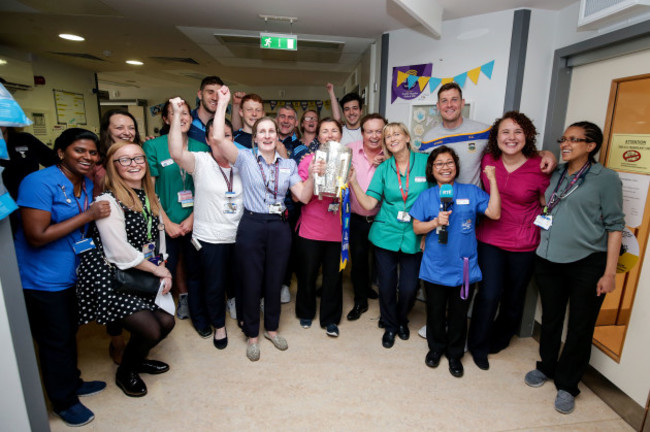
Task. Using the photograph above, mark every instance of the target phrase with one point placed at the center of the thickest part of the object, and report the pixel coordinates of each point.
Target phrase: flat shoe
(220, 343)
(130, 383)
(456, 368)
(432, 359)
(388, 340)
(153, 367)
(403, 332)
(253, 352)
(278, 341)
(482, 364)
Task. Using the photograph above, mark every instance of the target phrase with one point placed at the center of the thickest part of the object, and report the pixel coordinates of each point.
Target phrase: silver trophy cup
(338, 158)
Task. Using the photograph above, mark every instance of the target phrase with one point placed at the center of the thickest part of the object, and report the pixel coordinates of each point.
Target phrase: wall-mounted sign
(278, 41)
(630, 152)
(629, 254)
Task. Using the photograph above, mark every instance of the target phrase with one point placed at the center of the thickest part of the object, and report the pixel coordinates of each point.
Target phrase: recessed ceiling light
(71, 37)
(135, 62)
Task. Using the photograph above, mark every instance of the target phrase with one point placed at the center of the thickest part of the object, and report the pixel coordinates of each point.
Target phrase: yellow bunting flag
(473, 74)
(422, 82)
(447, 80)
(401, 77)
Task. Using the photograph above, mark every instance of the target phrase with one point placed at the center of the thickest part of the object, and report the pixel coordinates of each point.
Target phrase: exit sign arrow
(279, 41)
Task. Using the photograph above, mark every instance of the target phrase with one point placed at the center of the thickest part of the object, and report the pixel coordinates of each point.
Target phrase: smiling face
(511, 138)
(80, 157)
(185, 116)
(287, 121)
(371, 133)
(131, 171)
(250, 112)
(310, 122)
(575, 152)
(352, 114)
(208, 97)
(265, 136)
(121, 128)
(329, 131)
(395, 139)
(450, 105)
(444, 169)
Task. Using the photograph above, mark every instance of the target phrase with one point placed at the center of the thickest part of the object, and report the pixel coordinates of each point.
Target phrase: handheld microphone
(446, 200)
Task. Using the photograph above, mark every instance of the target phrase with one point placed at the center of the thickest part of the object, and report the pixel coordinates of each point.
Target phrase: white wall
(465, 44)
(588, 100)
(58, 76)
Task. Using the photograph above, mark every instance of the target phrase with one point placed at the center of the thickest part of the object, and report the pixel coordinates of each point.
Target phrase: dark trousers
(208, 304)
(294, 258)
(183, 245)
(446, 319)
(505, 279)
(397, 289)
(573, 283)
(314, 254)
(147, 329)
(261, 252)
(53, 321)
(361, 256)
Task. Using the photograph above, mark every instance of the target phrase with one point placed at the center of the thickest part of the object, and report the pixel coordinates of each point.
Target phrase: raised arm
(227, 147)
(493, 210)
(235, 118)
(182, 156)
(336, 108)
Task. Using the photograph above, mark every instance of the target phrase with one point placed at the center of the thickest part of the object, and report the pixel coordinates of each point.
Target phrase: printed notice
(635, 193)
(630, 152)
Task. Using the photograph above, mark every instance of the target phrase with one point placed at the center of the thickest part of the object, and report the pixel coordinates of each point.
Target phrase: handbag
(135, 281)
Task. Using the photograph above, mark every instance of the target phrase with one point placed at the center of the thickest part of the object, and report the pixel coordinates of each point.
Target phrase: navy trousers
(208, 303)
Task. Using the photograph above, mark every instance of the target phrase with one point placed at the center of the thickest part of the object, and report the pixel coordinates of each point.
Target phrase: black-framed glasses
(449, 164)
(126, 161)
(572, 140)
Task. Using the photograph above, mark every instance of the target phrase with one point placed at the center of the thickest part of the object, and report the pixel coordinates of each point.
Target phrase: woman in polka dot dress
(129, 238)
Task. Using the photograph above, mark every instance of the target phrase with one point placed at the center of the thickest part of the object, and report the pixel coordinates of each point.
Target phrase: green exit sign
(278, 41)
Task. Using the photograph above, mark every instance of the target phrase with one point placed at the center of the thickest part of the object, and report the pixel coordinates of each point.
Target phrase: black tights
(147, 329)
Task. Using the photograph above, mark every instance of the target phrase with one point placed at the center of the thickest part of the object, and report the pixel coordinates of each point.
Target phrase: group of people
(230, 209)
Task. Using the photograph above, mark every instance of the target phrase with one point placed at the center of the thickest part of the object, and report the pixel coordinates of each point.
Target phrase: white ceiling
(117, 30)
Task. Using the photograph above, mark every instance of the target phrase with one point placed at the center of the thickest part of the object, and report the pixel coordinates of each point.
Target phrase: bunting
(461, 79)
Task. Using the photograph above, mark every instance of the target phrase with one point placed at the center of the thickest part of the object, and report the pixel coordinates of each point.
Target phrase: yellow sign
(629, 254)
(630, 152)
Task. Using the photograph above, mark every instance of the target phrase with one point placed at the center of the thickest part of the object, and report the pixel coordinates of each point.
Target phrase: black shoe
(389, 339)
(432, 359)
(220, 343)
(482, 363)
(205, 332)
(403, 332)
(153, 367)
(372, 294)
(456, 367)
(130, 383)
(381, 323)
(356, 312)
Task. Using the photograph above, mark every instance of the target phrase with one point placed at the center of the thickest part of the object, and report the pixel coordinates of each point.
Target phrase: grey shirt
(583, 219)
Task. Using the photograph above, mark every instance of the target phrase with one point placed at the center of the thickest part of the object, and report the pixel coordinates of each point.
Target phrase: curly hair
(526, 124)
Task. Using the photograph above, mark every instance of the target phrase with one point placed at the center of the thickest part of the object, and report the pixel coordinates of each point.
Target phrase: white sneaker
(232, 309)
(285, 294)
(423, 331)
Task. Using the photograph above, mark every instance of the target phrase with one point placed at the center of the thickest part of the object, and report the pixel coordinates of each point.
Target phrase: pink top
(316, 222)
(520, 191)
(364, 169)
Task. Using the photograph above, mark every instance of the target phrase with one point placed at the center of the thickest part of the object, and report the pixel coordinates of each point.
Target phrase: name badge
(333, 207)
(230, 195)
(462, 201)
(285, 170)
(185, 198)
(83, 245)
(403, 216)
(230, 208)
(420, 179)
(544, 221)
(149, 251)
(275, 209)
(167, 162)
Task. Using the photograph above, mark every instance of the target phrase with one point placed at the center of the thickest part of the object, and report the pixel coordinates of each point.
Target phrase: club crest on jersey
(471, 147)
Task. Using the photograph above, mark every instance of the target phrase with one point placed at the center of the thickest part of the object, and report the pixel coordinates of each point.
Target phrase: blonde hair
(124, 193)
(391, 127)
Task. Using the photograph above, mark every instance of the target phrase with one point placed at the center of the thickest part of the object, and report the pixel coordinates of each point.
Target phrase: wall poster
(70, 108)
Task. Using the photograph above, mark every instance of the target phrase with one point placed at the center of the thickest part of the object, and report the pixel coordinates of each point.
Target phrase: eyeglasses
(448, 164)
(310, 119)
(572, 140)
(126, 161)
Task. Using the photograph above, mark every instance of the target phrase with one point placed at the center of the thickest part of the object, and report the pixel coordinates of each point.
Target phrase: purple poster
(409, 81)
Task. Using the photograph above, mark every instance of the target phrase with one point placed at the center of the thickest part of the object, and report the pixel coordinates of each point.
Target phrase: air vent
(595, 14)
(79, 55)
(187, 60)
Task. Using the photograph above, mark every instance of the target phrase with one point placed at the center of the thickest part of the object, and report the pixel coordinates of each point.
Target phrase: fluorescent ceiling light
(135, 62)
(71, 37)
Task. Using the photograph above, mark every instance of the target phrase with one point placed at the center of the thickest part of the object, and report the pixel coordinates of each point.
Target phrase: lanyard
(69, 201)
(148, 216)
(277, 177)
(228, 183)
(555, 198)
(404, 193)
